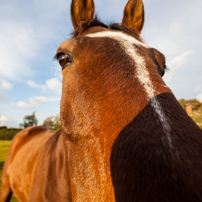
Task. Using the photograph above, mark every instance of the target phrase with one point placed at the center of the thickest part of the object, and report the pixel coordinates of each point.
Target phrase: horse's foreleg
(6, 191)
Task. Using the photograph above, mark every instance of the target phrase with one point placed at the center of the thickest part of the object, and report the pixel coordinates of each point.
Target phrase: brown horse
(124, 136)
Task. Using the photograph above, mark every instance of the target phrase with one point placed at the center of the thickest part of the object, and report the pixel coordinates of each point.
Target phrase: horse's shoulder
(30, 133)
(51, 163)
(55, 141)
(38, 133)
(33, 130)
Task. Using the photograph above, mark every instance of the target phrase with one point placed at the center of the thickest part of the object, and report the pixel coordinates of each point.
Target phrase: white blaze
(127, 43)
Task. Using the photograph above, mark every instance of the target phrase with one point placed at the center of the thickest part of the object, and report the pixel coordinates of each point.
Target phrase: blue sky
(32, 30)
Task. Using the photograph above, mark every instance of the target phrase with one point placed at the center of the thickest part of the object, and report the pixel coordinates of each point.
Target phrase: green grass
(4, 146)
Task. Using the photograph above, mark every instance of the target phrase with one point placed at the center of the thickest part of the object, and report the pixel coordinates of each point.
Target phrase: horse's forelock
(84, 25)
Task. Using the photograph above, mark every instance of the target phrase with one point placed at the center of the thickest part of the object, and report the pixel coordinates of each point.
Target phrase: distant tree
(182, 103)
(8, 133)
(29, 120)
(57, 126)
(56, 122)
(196, 105)
(48, 122)
(52, 122)
(200, 108)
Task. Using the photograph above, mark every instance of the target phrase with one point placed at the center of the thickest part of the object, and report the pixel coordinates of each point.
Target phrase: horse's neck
(88, 161)
(156, 126)
(164, 117)
(159, 147)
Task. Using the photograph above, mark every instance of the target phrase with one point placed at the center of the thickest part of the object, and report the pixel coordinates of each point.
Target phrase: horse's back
(51, 180)
(21, 159)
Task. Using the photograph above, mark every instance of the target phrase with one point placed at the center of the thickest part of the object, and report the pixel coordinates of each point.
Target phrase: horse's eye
(64, 59)
(164, 69)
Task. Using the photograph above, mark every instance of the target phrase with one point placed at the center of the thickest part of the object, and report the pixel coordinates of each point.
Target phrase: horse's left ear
(81, 10)
(134, 15)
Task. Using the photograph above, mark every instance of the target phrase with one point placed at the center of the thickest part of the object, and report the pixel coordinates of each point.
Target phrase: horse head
(117, 114)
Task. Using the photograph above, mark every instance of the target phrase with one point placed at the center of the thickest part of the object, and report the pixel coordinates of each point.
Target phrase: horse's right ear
(81, 10)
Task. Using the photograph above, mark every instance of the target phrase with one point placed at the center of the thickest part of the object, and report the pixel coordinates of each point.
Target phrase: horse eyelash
(55, 57)
(167, 69)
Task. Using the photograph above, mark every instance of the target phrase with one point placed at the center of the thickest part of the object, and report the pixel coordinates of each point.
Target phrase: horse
(124, 135)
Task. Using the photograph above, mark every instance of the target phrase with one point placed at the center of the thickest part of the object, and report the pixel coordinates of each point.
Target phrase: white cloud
(179, 60)
(198, 88)
(176, 63)
(3, 120)
(34, 85)
(175, 28)
(2, 95)
(55, 85)
(7, 121)
(5, 85)
(26, 34)
(199, 97)
(34, 102)
(18, 45)
(52, 84)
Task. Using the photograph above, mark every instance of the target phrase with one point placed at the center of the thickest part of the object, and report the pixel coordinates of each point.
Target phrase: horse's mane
(84, 25)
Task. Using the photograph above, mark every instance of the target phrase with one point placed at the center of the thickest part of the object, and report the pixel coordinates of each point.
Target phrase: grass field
(4, 146)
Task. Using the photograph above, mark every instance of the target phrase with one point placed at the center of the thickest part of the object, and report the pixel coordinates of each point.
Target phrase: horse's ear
(81, 10)
(134, 15)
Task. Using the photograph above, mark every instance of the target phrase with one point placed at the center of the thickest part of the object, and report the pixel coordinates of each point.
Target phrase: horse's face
(106, 71)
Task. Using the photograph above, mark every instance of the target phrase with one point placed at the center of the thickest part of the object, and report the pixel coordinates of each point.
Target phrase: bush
(8, 133)
(57, 126)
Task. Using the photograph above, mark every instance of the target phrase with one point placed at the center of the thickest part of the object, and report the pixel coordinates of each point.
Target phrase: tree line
(195, 104)
(194, 109)
(52, 122)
